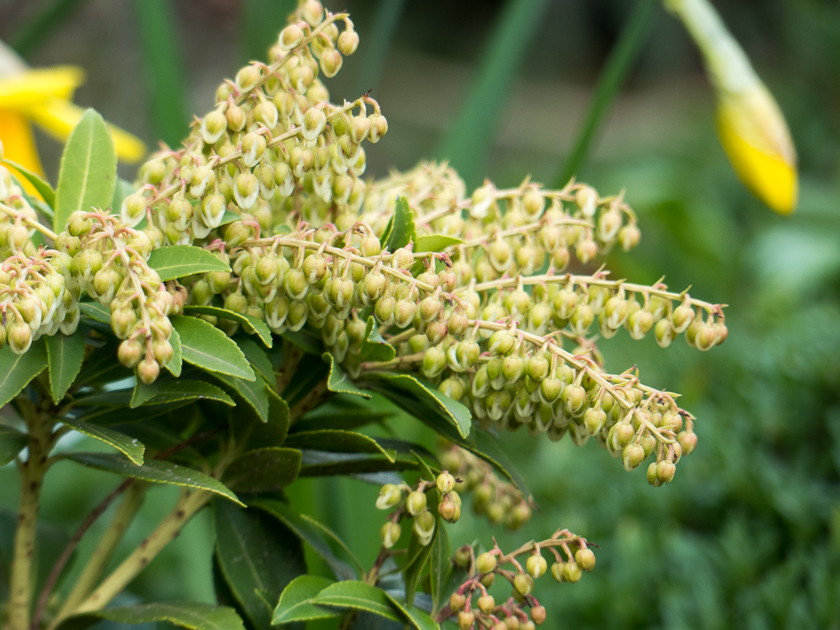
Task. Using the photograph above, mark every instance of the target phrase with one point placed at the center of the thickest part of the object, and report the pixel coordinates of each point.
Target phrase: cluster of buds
(413, 503)
(35, 298)
(107, 260)
(472, 605)
(273, 148)
(499, 500)
(17, 217)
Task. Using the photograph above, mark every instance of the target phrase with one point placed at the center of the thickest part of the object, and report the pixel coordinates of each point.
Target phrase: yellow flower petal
(19, 145)
(756, 140)
(58, 118)
(32, 87)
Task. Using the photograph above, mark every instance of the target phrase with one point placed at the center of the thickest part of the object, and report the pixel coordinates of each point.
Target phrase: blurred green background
(748, 534)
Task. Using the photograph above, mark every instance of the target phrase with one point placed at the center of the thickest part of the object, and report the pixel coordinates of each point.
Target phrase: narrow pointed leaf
(96, 311)
(162, 392)
(250, 323)
(295, 602)
(178, 261)
(176, 363)
(154, 471)
(339, 381)
(257, 357)
(263, 470)
(16, 370)
(374, 346)
(88, 169)
(435, 243)
(337, 441)
(400, 229)
(191, 615)
(43, 187)
(65, 354)
(418, 618)
(359, 596)
(12, 442)
(254, 393)
(128, 446)
(207, 347)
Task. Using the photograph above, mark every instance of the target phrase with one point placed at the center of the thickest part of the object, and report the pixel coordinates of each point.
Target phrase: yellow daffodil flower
(42, 97)
(750, 124)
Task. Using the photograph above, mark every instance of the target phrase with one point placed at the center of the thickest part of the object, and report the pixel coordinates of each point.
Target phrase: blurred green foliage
(748, 535)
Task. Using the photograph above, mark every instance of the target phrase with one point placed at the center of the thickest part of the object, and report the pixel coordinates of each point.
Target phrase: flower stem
(17, 214)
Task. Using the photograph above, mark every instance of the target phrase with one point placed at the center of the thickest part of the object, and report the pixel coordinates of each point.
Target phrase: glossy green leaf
(16, 370)
(374, 346)
(429, 397)
(253, 393)
(207, 347)
(192, 615)
(440, 566)
(418, 555)
(122, 189)
(306, 340)
(295, 601)
(178, 261)
(358, 596)
(128, 446)
(257, 557)
(250, 323)
(12, 442)
(273, 432)
(324, 463)
(88, 170)
(257, 357)
(337, 441)
(339, 381)
(102, 366)
(154, 471)
(400, 229)
(162, 392)
(435, 243)
(417, 618)
(313, 533)
(176, 363)
(263, 470)
(96, 311)
(65, 354)
(109, 416)
(38, 183)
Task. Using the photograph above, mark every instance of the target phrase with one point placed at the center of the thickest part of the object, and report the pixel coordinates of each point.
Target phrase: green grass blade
(163, 68)
(467, 143)
(261, 22)
(622, 57)
(374, 47)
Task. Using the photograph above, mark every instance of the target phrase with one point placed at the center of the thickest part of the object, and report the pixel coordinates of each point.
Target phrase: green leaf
(295, 601)
(162, 392)
(313, 533)
(96, 311)
(110, 416)
(128, 446)
(88, 170)
(178, 261)
(263, 470)
(427, 396)
(38, 183)
(305, 340)
(339, 381)
(16, 370)
(207, 347)
(488, 448)
(337, 441)
(358, 596)
(192, 615)
(435, 243)
(122, 189)
(440, 566)
(251, 324)
(271, 433)
(154, 471)
(257, 357)
(417, 556)
(176, 363)
(254, 393)
(323, 463)
(418, 618)
(258, 557)
(400, 229)
(12, 442)
(165, 79)
(468, 141)
(65, 354)
(374, 346)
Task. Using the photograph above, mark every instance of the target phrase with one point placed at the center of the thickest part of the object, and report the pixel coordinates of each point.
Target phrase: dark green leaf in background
(16, 370)
(12, 442)
(191, 615)
(88, 170)
(258, 557)
(128, 446)
(337, 441)
(339, 381)
(263, 470)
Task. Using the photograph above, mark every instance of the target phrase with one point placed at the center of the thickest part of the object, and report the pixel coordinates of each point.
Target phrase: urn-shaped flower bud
(536, 566)
(390, 534)
(485, 563)
(389, 496)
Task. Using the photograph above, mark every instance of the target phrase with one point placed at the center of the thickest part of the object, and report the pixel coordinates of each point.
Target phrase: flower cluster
(17, 217)
(500, 501)
(109, 263)
(408, 502)
(471, 604)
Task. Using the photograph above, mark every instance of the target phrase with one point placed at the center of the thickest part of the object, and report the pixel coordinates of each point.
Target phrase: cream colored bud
(290, 37)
